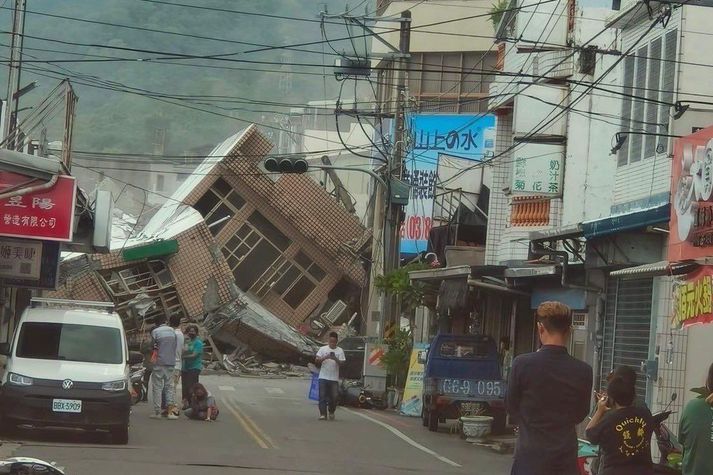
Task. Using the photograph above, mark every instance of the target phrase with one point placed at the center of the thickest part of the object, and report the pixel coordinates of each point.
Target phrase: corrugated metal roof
(655, 269)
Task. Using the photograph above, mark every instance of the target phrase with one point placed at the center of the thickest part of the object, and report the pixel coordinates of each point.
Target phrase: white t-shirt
(180, 340)
(330, 368)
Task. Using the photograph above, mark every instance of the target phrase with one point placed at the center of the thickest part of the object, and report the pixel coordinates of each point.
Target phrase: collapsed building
(253, 257)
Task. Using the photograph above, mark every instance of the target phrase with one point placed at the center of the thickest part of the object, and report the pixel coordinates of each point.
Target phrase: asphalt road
(267, 426)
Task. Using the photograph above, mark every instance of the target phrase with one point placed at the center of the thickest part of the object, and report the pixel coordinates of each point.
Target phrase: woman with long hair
(202, 405)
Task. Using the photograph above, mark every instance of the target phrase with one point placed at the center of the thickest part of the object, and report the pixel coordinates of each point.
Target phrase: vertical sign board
(374, 372)
(413, 391)
(470, 137)
(691, 226)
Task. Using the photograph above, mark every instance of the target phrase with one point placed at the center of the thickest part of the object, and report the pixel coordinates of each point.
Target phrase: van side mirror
(5, 349)
(422, 356)
(135, 357)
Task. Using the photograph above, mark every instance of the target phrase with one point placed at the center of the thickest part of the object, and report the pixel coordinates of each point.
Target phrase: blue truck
(462, 369)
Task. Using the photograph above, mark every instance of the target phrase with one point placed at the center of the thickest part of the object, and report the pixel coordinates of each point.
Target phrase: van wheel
(120, 435)
(433, 421)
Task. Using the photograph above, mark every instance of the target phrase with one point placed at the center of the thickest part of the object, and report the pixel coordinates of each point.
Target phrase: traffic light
(286, 164)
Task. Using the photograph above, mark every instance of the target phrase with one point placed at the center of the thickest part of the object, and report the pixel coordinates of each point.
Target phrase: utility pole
(13, 84)
(387, 212)
(392, 250)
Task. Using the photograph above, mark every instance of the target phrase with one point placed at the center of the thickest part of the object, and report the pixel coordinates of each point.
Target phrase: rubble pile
(253, 365)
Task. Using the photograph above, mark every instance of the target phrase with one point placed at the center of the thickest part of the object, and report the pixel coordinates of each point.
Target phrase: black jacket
(549, 393)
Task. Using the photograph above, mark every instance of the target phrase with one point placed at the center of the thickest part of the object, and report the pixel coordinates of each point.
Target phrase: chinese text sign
(471, 137)
(46, 214)
(538, 169)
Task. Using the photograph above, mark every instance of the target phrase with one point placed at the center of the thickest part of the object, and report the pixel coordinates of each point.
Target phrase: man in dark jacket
(549, 393)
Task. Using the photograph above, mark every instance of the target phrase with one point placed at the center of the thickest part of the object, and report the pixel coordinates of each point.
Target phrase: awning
(655, 269)
(626, 222)
(496, 287)
(574, 230)
(457, 272)
(30, 165)
(154, 249)
(440, 273)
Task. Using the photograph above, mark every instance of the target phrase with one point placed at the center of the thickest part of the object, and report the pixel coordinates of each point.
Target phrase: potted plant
(396, 362)
(475, 423)
(497, 10)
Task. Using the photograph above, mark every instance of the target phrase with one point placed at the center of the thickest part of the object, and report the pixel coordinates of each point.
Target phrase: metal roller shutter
(627, 327)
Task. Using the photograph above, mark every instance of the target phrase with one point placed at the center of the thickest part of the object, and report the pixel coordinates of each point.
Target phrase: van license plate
(66, 405)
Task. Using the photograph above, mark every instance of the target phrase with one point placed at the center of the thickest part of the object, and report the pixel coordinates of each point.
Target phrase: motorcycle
(669, 448)
(353, 393)
(138, 387)
(29, 466)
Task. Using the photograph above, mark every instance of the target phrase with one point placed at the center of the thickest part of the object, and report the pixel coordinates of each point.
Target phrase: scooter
(353, 393)
(29, 466)
(666, 441)
(138, 388)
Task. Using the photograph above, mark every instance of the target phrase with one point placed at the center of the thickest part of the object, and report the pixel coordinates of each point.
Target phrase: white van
(68, 366)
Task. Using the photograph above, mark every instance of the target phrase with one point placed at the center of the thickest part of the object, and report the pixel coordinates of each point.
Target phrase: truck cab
(462, 369)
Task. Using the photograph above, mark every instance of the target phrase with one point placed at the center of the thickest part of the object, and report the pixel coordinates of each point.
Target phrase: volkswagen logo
(67, 384)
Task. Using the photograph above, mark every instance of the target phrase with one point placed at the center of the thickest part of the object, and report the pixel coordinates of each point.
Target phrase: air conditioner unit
(333, 314)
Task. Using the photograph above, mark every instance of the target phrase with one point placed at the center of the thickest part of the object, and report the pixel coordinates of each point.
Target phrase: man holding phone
(329, 358)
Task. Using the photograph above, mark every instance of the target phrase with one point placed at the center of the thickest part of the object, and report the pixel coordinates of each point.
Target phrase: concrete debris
(247, 364)
(249, 327)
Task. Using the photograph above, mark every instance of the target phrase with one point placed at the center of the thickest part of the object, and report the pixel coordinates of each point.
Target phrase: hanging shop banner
(413, 391)
(470, 137)
(691, 227)
(45, 214)
(693, 298)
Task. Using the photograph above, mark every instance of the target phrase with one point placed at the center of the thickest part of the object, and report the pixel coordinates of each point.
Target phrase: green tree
(397, 358)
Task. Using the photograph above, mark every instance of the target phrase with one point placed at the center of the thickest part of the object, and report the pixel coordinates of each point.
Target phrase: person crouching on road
(622, 430)
(164, 362)
(202, 406)
(192, 363)
(329, 358)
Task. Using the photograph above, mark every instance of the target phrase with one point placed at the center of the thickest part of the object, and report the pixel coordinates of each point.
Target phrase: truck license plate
(473, 388)
(66, 405)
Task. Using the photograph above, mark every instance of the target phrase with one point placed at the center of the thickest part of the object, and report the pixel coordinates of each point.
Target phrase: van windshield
(69, 342)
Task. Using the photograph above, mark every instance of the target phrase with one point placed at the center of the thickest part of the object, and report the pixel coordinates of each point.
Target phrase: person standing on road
(696, 432)
(164, 362)
(329, 358)
(192, 363)
(175, 322)
(622, 431)
(549, 393)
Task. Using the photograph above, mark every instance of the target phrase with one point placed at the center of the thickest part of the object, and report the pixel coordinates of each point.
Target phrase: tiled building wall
(296, 205)
(499, 209)
(198, 261)
(84, 285)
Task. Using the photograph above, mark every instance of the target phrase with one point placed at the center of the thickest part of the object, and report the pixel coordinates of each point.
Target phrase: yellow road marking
(245, 424)
(252, 423)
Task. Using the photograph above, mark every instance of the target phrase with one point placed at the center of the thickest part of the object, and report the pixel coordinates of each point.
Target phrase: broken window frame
(226, 197)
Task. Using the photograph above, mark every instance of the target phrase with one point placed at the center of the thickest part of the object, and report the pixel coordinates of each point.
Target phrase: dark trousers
(328, 395)
(188, 379)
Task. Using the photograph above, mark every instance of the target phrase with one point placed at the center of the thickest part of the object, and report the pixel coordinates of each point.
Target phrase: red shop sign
(46, 215)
